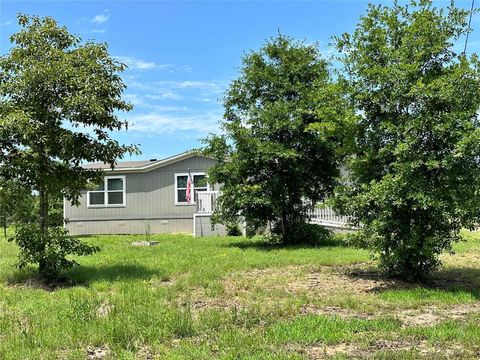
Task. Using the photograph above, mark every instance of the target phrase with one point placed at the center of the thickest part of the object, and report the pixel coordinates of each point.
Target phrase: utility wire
(468, 30)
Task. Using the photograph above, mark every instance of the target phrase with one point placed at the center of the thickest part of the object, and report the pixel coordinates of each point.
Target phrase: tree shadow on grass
(264, 245)
(116, 272)
(457, 279)
(83, 275)
(451, 280)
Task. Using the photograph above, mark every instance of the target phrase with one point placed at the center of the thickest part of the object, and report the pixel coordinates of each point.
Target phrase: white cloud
(196, 85)
(155, 92)
(138, 101)
(186, 68)
(156, 123)
(170, 95)
(134, 99)
(189, 90)
(135, 63)
(101, 18)
(7, 23)
(139, 64)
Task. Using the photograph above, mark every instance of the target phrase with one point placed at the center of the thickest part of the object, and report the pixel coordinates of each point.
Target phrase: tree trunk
(43, 221)
(43, 210)
(4, 224)
(284, 226)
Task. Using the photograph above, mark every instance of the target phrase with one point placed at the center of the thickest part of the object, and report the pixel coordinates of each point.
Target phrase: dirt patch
(270, 286)
(432, 315)
(418, 319)
(241, 289)
(96, 353)
(104, 310)
(310, 309)
(164, 282)
(460, 311)
(335, 280)
(302, 280)
(424, 316)
(41, 284)
(357, 351)
(322, 279)
(329, 351)
(198, 301)
(144, 352)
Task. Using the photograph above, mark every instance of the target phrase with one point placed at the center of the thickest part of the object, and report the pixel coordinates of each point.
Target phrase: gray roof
(120, 165)
(141, 166)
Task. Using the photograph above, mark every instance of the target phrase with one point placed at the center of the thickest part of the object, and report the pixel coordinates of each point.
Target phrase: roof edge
(158, 164)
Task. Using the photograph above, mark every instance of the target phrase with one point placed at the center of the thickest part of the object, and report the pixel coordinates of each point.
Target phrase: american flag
(189, 188)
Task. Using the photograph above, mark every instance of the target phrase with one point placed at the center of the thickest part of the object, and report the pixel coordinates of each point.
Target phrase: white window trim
(105, 193)
(193, 188)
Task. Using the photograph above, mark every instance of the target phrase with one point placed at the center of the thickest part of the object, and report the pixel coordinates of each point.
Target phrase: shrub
(233, 229)
(303, 233)
(48, 249)
(414, 173)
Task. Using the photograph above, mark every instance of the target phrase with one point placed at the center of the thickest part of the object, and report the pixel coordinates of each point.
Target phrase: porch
(321, 215)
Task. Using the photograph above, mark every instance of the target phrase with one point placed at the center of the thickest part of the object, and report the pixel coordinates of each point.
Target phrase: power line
(468, 29)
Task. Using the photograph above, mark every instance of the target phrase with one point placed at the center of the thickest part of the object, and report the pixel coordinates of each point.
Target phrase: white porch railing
(206, 201)
(326, 216)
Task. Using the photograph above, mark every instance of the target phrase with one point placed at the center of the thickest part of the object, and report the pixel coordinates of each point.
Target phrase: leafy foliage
(16, 204)
(415, 175)
(283, 125)
(51, 88)
(233, 229)
(55, 209)
(311, 234)
(19, 205)
(48, 249)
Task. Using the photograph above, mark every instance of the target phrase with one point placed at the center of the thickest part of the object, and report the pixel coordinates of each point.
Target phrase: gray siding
(149, 195)
(160, 226)
(203, 227)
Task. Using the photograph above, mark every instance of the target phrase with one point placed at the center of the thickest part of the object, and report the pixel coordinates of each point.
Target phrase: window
(199, 184)
(110, 193)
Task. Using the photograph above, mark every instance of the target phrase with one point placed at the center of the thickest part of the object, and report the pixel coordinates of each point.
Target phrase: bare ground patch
(421, 349)
(269, 287)
(36, 282)
(104, 309)
(96, 353)
(144, 352)
(344, 313)
(432, 315)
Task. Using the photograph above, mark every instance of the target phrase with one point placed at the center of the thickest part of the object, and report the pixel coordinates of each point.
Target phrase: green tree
(7, 205)
(59, 100)
(55, 208)
(283, 129)
(16, 204)
(414, 176)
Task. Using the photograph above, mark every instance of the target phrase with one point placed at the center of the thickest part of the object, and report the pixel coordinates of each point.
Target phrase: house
(137, 197)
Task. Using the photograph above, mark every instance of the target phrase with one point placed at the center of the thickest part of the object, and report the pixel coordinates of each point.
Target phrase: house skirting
(130, 226)
(202, 226)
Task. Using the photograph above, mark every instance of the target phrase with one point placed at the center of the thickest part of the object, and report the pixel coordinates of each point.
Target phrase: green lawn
(232, 298)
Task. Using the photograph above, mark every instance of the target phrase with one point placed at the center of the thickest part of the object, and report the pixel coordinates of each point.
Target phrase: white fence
(326, 216)
(206, 201)
(321, 215)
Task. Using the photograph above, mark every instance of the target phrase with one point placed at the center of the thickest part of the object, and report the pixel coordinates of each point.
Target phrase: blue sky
(182, 55)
